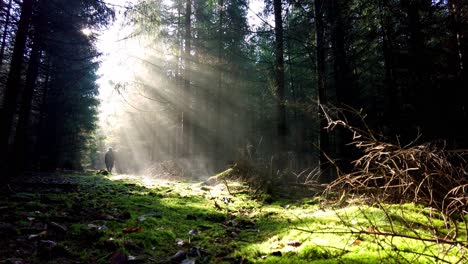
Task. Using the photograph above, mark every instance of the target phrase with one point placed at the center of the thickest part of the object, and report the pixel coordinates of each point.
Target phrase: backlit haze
(140, 103)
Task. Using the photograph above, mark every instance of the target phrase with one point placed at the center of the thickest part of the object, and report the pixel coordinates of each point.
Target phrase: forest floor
(89, 218)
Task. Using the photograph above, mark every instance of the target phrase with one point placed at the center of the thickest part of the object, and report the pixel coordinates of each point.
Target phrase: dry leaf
(118, 258)
(132, 229)
(294, 243)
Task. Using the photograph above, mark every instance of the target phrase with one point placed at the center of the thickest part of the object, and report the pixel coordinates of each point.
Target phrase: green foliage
(239, 228)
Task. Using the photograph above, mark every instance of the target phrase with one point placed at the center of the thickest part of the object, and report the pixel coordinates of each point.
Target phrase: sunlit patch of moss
(340, 229)
(260, 230)
(315, 252)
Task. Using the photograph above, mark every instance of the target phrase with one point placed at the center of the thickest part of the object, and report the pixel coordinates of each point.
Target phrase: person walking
(109, 160)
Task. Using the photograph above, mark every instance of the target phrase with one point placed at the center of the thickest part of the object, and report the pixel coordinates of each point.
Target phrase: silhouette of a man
(109, 160)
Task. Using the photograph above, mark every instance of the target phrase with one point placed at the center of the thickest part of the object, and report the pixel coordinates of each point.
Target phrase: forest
(260, 131)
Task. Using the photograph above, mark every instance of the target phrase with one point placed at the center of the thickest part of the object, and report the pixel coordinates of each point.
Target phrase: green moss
(235, 228)
(78, 229)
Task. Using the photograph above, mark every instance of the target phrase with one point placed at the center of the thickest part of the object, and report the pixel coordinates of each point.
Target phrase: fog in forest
(163, 111)
(185, 87)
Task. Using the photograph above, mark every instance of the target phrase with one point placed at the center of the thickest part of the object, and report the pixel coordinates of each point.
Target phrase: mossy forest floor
(88, 218)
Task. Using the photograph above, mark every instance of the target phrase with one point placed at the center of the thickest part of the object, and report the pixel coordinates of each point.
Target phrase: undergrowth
(426, 174)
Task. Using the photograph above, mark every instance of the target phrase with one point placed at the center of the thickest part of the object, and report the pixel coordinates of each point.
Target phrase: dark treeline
(401, 62)
(232, 88)
(48, 68)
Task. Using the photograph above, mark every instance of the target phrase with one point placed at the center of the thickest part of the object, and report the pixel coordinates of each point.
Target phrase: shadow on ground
(56, 218)
(59, 218)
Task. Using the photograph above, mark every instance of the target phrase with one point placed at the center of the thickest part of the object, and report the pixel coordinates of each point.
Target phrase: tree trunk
(324, 143)
(279, 77)
(5, 33)
(458, 25)
(186, 115)
(14, 80)
(218, 131)
(344, 83)
(459, 36)
(418, 90)
(40, 146)
(416, 44)
(20, 146)
(342, 72)
(389, 84)
(178, 138)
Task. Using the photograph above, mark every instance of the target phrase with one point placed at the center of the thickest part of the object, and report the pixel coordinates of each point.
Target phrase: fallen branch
(380, 233)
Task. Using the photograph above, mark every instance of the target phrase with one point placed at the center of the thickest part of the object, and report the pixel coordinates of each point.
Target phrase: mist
(165, 112)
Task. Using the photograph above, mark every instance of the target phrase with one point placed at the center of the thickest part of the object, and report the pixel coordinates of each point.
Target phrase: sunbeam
(160, 104)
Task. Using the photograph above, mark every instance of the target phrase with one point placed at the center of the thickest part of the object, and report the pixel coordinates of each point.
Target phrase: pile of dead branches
(425, 174)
